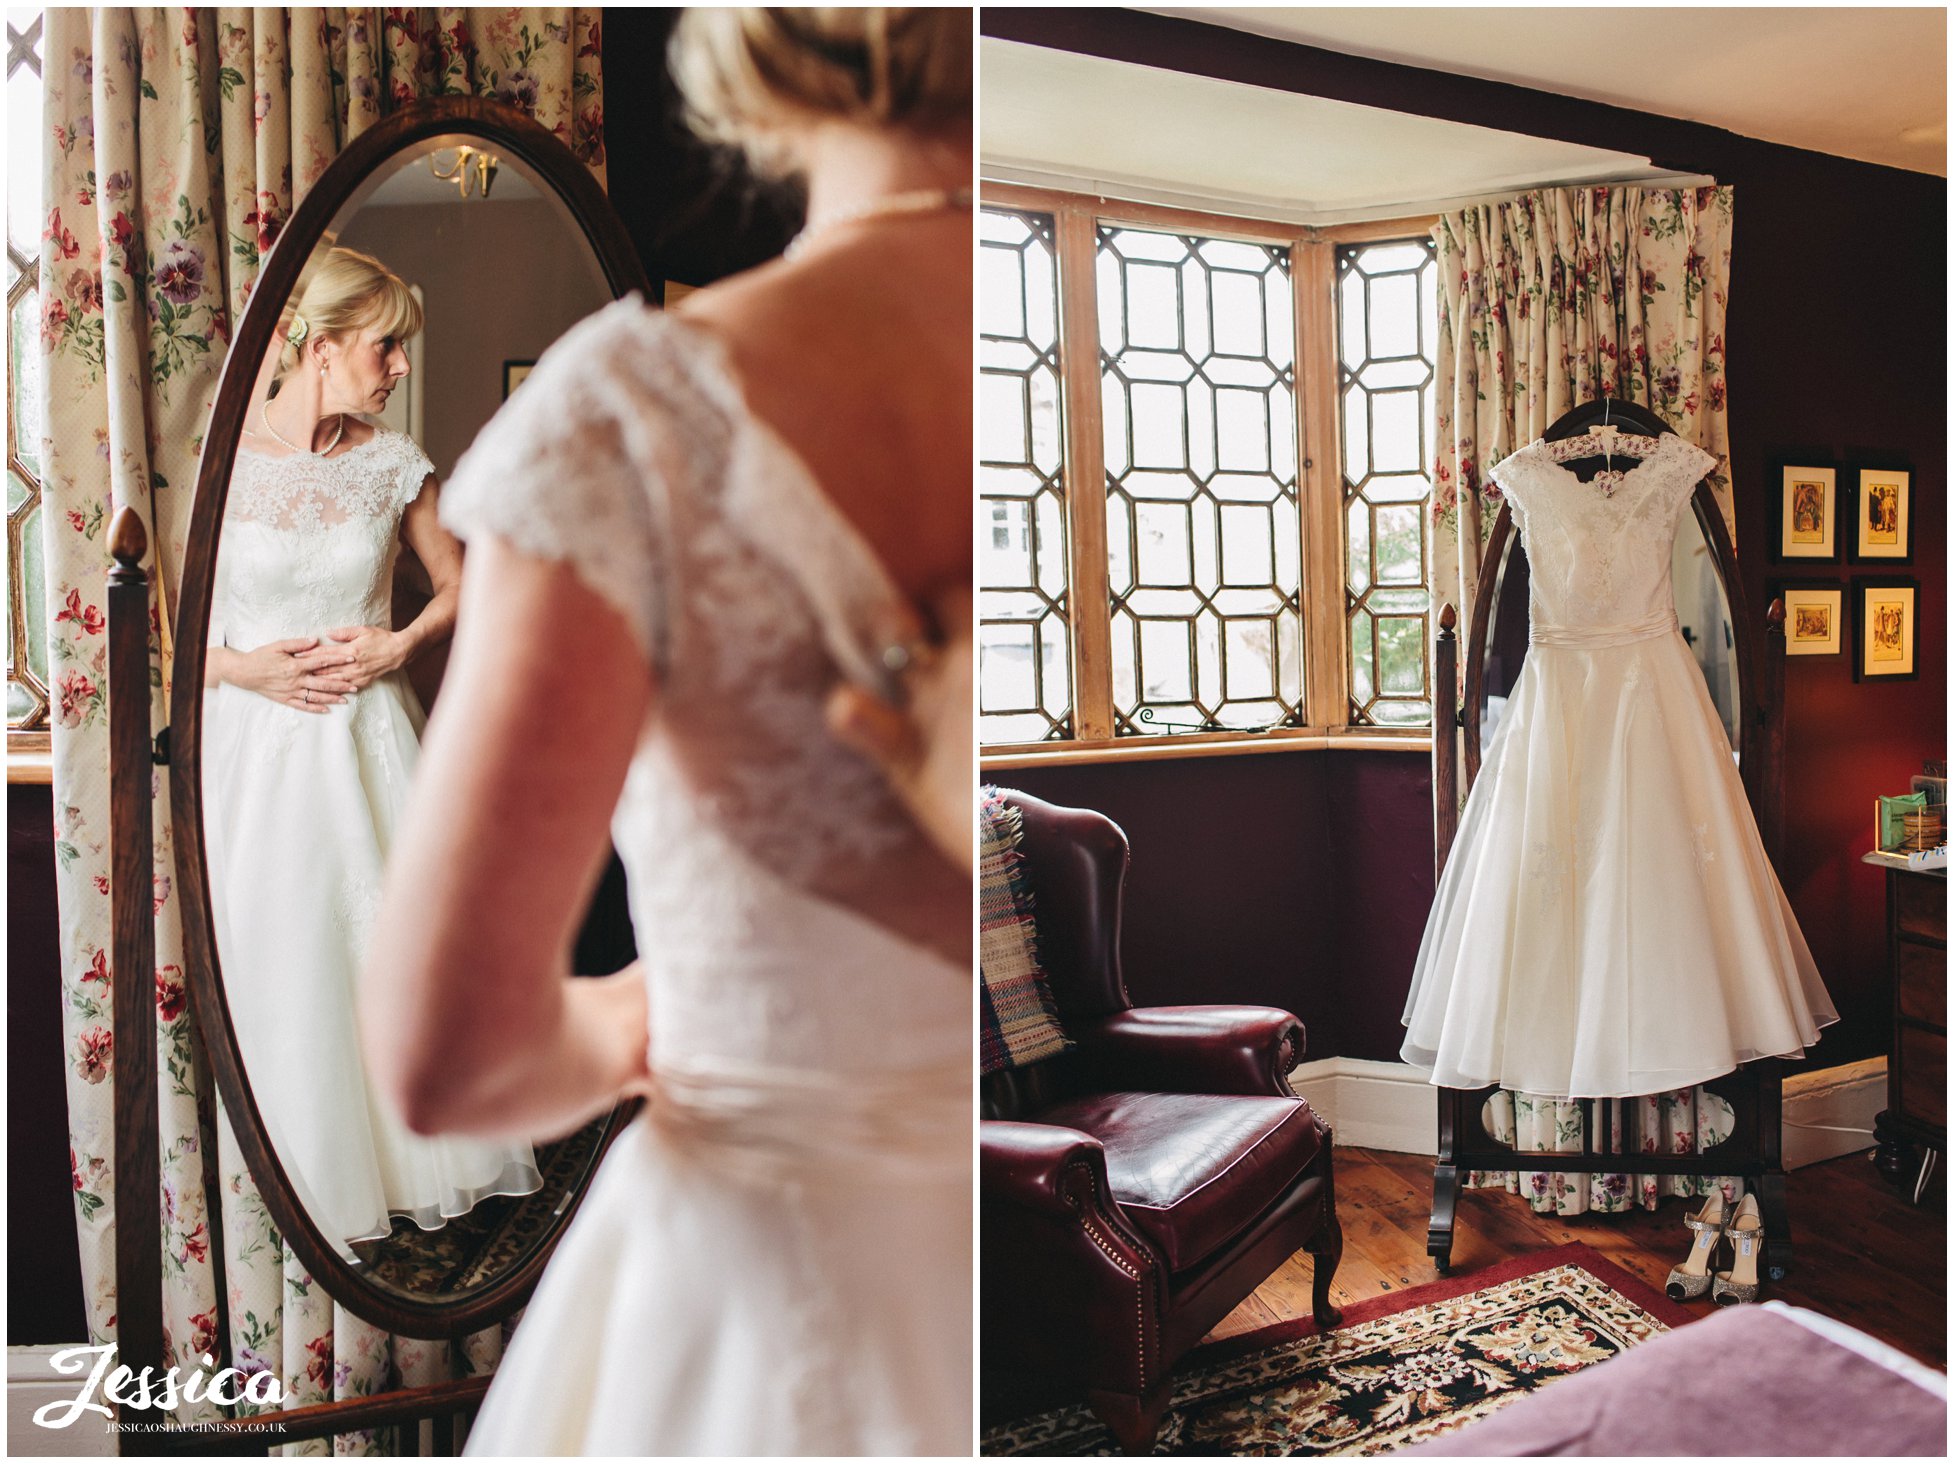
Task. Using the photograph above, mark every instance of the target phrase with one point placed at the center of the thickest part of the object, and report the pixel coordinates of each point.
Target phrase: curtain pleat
(177, 142)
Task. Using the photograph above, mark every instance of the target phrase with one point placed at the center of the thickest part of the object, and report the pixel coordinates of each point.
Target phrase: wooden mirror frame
(513, 135)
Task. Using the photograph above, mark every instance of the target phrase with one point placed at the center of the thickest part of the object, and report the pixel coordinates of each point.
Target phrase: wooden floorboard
(1861, 1252)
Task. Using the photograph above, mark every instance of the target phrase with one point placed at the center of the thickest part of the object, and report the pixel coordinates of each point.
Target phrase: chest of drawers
(1916, 1072)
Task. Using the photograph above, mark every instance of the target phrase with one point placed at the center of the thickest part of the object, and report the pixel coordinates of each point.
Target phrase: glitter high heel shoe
(1746, 1233)
(1692, 1278)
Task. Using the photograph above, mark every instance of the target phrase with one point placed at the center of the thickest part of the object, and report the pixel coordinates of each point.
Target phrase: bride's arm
(440, 554)
(364, 653)
(471, 1018)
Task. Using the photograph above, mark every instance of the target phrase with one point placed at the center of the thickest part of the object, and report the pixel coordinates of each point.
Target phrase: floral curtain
(178, 142)
(1559, 297)
(1546, 301)
(1684, 1122)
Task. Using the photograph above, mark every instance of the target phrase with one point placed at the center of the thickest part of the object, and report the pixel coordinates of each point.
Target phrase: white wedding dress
(1607, 924)
(300, 809)
(776, 1255)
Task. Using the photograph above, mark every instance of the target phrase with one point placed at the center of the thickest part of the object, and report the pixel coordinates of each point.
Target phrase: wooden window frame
(29, 749)
(1076, 218)
(1358, 603)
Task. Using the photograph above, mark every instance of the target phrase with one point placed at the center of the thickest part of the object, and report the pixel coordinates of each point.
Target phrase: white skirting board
(1387, 1105)
(33, 1382)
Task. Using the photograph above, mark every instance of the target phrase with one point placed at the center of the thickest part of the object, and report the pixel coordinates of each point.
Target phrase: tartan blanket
(1020, 1022)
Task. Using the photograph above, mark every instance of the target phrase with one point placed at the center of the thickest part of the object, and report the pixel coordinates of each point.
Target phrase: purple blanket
(1745, 1381)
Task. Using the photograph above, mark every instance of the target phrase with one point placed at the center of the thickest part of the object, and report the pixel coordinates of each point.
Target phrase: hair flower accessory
(298, 330)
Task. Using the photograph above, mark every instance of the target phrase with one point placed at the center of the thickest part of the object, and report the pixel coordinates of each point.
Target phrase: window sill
(1204, 744)
(29, 759)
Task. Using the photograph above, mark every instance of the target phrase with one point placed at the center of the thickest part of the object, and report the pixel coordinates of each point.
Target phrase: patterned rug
(1401, 1368)
(472, 1249)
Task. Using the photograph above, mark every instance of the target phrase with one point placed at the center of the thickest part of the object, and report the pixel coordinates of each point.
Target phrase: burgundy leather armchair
(1136, 1188)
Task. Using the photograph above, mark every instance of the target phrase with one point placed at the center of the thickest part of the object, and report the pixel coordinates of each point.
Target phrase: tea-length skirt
(1608, 924)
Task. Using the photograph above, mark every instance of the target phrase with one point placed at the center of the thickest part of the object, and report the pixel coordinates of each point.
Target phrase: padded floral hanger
(1567, 442)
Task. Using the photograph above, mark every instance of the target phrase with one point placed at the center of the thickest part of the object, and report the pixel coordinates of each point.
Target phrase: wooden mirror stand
(1754, 1149)
(134, 756)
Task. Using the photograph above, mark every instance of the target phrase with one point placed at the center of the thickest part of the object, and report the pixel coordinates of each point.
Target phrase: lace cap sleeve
(1696, 464)
(412, 467)
(1686, 465)
(580, 466)
(1510, 472)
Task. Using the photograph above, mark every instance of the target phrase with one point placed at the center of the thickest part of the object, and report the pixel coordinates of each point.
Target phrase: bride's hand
(281, 671)
(924, 747)
(359, 654)
(620, 1011)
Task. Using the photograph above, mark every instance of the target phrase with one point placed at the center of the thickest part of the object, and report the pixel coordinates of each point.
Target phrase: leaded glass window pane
(1197, 374)
(26, 631)
(1023, 646)
(1387, 323)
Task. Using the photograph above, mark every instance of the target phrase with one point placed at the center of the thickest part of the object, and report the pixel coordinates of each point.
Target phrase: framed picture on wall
(1886, 640)
(1882, 514)
(1814, 617)
(1808, 511)
(514, 373)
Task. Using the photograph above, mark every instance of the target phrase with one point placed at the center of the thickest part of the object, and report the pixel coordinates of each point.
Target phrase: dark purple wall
(1297, 879)
(1379, 822)
(1836, 343)
(43, 1256)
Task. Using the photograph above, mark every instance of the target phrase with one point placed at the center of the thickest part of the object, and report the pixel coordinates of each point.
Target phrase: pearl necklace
(894, 205)
(264, 416)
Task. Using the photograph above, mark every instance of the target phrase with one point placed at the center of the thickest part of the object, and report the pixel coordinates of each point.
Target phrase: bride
(311, 735)
(686, 532)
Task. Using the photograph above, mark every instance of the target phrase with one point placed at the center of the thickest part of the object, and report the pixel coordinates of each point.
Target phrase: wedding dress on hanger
(300, 810)
(775, 1256)
(1607, 924)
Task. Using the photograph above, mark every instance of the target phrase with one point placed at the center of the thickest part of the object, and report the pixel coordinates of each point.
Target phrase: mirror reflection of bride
(686, 531)
(311, 736)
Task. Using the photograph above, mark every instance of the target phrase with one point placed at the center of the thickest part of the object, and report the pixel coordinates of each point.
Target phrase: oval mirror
(1700, 564)
(469, 221)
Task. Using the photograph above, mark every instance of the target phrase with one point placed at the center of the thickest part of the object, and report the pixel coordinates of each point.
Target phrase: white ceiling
(1106, 127)
(1856, 81)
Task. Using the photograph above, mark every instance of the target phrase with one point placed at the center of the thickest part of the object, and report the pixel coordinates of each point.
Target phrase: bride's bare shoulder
(756, 313)
(875, 311)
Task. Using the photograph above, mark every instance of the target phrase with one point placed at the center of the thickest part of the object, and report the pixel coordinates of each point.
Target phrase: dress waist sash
(1598, 637)
(913, 1122)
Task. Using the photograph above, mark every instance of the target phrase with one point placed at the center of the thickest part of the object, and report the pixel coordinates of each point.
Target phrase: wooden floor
(1861, 1253)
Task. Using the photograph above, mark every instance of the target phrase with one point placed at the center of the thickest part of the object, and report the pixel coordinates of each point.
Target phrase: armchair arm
(1069, 1291)
(1034, 1165)
(1193, 1049)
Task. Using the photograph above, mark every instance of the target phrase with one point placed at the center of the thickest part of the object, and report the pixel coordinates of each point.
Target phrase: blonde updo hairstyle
(342, 291)
(752, 77)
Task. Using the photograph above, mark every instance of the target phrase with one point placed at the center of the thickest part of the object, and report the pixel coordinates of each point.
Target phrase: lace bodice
(788, 912)
(1599, 552)
(309, 542)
